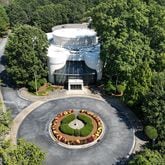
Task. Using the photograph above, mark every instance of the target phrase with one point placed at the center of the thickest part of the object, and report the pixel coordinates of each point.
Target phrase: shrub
(64, 128)
(85, 119)
(109, 87)
(86, 130)
(68, 119)
(76, 132)
(121, 88)
(151, 132)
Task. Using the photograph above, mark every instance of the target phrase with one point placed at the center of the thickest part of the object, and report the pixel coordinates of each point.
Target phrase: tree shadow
(3, 60)
(6, 79)
(140, 134)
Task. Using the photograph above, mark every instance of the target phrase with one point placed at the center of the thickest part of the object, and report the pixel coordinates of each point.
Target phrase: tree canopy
(26, 55)
(24, 153)
(147, 157)
(132, 37)
(4, 21)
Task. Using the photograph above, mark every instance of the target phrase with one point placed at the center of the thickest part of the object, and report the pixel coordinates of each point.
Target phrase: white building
(73, 55)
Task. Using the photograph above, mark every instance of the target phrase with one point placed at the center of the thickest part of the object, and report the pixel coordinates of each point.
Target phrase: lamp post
(35, 79)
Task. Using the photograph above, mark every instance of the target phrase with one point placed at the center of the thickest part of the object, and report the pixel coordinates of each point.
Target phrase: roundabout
(116, 142)
(76, 129)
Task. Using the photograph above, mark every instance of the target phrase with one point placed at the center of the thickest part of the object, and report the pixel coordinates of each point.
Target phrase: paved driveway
(116, 143)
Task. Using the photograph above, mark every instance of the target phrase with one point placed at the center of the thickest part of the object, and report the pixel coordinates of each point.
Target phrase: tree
(25, 54)
(147, 157)
(24, 153)
(4, 21)
(131, 35)
(5, 120)
(48, 16)
(153, 107)
(16, 15)
(151, 132)
(138, 85)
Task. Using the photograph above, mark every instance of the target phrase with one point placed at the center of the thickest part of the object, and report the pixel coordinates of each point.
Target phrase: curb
(25, 112)
(19, 95)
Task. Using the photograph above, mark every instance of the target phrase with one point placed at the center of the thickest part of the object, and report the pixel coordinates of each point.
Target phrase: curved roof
(73, 32)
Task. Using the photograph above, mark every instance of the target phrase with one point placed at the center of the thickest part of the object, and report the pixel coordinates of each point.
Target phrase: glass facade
(75, 70)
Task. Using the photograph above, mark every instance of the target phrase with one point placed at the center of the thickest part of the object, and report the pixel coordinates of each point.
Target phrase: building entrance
(75, 84)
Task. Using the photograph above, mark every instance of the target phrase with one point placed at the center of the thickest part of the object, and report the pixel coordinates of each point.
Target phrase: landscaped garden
(73, 127)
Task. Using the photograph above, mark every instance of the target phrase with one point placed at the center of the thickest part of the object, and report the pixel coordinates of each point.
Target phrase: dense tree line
(47, 13)
(4, 21)
(132, 36)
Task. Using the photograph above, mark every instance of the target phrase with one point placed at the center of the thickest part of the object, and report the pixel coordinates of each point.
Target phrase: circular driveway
(116, 143)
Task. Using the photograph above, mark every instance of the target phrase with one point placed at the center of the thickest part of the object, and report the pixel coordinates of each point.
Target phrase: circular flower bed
(77, 127)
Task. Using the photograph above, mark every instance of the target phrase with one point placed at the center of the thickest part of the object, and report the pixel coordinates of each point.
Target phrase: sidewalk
(2, 106)
(24, 94)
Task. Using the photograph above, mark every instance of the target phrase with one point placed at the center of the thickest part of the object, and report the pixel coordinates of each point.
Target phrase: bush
(68, 119)
(85, 119)
(121, 88)
(64, 128)
(86, 130)
(109, 87)
(151, 132)
(76, 132)
(32, 86)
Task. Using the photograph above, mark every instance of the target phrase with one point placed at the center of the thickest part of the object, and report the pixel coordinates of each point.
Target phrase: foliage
(76, 132)
(132, 43)
(86, 130)
(109, 87)
(68, 119)
(26, 55)
(138, 85)
(5, 120)
(48, 12)
(24, 153)
(85, 119)
(32, 86)
(153, 107)
(16, 15)
(64, 128)
(151, 132)
(160, 146)
(147, 157)
(48, 16)
(121, 88)
(4, 21)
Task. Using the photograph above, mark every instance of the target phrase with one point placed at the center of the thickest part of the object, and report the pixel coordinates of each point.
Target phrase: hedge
(85, 119)
(68, 119)
(86, 130)
(64, 128)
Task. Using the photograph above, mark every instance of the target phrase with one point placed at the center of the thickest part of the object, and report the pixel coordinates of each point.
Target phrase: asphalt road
(115, 145)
